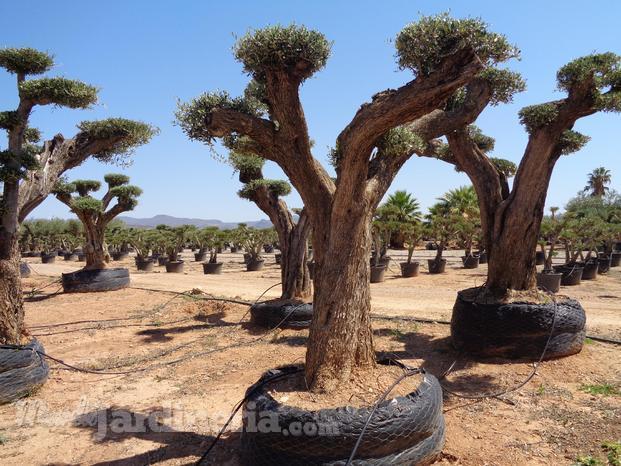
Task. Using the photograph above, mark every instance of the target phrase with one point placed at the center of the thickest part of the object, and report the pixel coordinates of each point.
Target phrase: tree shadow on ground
(438, 355)
(116, 425)
(163, 334)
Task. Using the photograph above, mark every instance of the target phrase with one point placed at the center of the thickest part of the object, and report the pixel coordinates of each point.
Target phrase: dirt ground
(184, 363)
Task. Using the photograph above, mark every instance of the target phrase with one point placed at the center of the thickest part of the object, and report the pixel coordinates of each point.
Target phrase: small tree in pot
(95, 216)
(214, 240)
(142, 241)
(441, 226)
(411, 232)
(173, 240)
(253, 241)
(549, 279)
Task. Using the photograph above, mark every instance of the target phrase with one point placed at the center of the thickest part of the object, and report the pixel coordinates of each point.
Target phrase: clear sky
(146, 54)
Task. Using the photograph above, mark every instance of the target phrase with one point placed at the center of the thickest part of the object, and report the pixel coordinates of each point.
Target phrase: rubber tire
(517, 330)
(22, 371)
(270, 314)
(24, 270)
(86, 281)
(406, 430)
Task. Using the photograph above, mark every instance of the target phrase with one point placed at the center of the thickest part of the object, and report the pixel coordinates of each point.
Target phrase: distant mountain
(176, 221)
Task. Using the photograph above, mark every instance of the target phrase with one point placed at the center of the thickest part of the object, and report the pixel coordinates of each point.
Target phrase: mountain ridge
(163, 219)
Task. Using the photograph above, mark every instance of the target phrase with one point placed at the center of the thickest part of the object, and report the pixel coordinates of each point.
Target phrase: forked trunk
(341, 340)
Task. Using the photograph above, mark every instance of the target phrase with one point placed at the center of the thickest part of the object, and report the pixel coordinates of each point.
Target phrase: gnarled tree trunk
(11, 301)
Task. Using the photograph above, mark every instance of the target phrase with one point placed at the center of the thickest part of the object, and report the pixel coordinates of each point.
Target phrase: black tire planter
(377, 273)
(254, 265)
(70, 257)
(603, 265)
(436, 266)
(24, 270)
(162, 260)
(409, 269)
(615, 259)
(86, 281)
(470, 262)
(589, 271)
(22, 371)
(48, 258)
(571, 274)
(549, 281)
(174, 267)
(540, 258)
(145, 265)
(406, 430)
(518, 330)
(210, 268)
(200, 257)
(282, 314)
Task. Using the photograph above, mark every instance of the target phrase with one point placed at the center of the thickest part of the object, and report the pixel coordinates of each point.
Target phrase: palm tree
(462, 200)
(597, 181)
(403, 208)
(553, 211)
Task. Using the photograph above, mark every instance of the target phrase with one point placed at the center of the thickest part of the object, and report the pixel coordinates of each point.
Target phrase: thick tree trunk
(342, 304)
(95, 248)
(296, 282)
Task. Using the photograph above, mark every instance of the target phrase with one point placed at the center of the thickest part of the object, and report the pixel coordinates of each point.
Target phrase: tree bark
(95, 248)
(11, 300)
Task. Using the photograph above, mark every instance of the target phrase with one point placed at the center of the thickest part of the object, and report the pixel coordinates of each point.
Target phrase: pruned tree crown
(293, 49)
(423, 45)
(58, 91)
(25, 61)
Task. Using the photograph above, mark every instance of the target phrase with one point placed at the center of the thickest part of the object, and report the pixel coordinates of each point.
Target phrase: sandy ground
(186, 363)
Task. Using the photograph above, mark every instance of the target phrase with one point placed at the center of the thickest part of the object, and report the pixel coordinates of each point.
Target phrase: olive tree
(444, 55)
(96, 214)
(29, 172)
(292, 235)
(511, 217)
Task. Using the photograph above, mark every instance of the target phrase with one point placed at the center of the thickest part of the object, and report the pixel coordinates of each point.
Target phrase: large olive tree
(511, 218)
(292, 234)
(444, 55)
(28, 172)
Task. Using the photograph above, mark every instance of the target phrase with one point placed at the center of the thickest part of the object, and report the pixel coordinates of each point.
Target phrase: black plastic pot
(233, 249)
(254, 265)
(70, 256)
(436, 266)
(61, 252)
(409, 269)
(385, 260)
(247, 257)
(162, 260)
(603, 265)
(615, 259)
(571, 274)
(482, 257)
(278, 258)
(144, 265)
(540, 258)
(268, 248)
(84, 281)
(174, 267)
(119, 255)
(24, 270)
(200, 256)
(519, 330)
(377, 273)
(590, 270)
(470, 262)
(210, 268)
(549, 281)
(48, 258)
(81, 257)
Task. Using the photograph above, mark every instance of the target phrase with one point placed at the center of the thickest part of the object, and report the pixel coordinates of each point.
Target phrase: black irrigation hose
(186, 293)
(256, 301)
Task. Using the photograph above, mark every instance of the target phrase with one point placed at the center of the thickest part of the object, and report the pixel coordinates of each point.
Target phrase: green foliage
(126, 195)
(83, 187)
(39, 234)
(399, 141)
(128, 134)
(534, 117)
(86, 205)
(59, 91)
(275, 187)
(25, 61)
(604, 389)
(191, 116)
(32, 135)
(603, 68)
(15, 166)
(8, 119)
(571, 141)
(504, 83)
(597, 182)
(613, 452)
(62, 188)
(504, 166)
(296, 50)
(116, 179)
(484, 143)
(248, 165)
(423, 45)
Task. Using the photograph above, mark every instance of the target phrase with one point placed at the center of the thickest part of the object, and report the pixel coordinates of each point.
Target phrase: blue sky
(144, 55)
